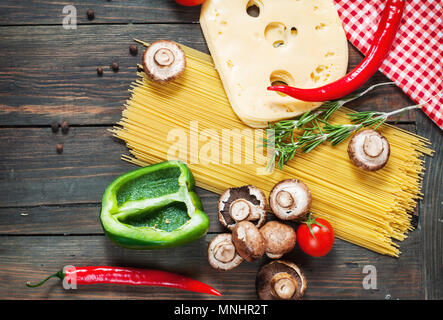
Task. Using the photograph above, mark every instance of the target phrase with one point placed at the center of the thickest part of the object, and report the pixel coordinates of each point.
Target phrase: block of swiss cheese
(296, 42)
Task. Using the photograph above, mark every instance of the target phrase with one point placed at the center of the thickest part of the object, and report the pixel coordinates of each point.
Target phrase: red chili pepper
(381, 44)
(130, 276)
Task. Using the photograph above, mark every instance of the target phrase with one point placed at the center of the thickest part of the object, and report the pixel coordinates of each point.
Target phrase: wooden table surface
(49, 203)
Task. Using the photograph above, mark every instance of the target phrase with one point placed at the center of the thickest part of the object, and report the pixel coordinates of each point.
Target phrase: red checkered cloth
(415, 60)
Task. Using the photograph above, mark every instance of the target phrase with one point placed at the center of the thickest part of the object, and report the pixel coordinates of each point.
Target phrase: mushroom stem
(240, 210)
(373, 146)
(224, 251)
(164, 57)
(285, 199)
(283, 285)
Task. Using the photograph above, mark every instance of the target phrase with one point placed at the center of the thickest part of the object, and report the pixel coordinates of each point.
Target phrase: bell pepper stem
(58, 274)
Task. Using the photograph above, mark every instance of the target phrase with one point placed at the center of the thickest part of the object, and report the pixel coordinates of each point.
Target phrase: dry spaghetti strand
(369, 209)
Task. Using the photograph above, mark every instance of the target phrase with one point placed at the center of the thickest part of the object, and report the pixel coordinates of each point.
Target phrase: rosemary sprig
(317, 134)
(284, 128)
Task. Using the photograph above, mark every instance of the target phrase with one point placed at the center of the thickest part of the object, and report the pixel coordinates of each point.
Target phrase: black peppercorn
(65, 126)
(100, 71)
(59, 148)
(91, 15)
(115, 66)
(54, 126)
(133, 49)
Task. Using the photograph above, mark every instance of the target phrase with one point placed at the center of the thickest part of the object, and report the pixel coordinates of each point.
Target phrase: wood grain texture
(49, 203)
(31, 12)
(339, 275)
(49, 74)
(431, 212)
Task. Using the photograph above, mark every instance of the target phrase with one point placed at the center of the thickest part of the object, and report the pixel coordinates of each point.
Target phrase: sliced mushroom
(279, 239)
(164, 61)
(248, 241)
(369, 150)
(240, 204)
(280, 280)
(290, 199)
(222, 254)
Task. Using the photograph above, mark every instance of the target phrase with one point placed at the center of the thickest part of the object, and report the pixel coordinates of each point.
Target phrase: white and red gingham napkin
(415, 61)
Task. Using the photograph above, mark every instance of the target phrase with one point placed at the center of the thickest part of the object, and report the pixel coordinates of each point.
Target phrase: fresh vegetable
(222, 254)
(279, 239)
(313, 129)
(315, 236)
(190, 3)
(381, 44)
(129, 276)
(153, 207)
(290, 199)
(369, 150)
(248, 241)
(280, 280)
(242, 203)
(164, 61)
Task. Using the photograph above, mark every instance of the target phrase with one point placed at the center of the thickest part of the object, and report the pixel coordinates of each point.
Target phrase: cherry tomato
(315, 236)
(190, 3)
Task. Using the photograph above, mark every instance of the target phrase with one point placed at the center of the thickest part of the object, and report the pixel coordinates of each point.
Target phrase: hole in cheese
(294, 31)
(275, 34)
(253, 8)
(281, 78)
(320, 26)
(278, 43)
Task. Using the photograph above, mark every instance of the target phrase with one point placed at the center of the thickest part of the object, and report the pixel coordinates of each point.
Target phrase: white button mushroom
(369, 150)
(290, 199)
(222, 254)
(164, 61)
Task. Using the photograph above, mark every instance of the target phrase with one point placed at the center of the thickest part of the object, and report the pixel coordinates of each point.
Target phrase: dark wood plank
(48, 74)
(31, 12)
(33, 174)
(431, 213)
(337, 275)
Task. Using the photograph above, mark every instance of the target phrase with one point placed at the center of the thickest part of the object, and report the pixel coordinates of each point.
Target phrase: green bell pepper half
(153, 207)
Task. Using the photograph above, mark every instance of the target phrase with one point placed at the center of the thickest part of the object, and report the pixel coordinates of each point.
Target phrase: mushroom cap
(242, 203)
(279, 239)
(248, 241)
(369, 150)
(222, 254)
(164, 61)
(280, 279)
(290, 199)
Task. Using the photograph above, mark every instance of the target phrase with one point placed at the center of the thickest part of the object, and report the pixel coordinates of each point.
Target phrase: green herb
(313, 128)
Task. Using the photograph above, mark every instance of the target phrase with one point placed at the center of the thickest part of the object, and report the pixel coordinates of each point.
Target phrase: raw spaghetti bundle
(370, 209)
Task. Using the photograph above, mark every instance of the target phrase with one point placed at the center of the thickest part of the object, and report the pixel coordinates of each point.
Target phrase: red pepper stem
(59, 275)
(381, 44)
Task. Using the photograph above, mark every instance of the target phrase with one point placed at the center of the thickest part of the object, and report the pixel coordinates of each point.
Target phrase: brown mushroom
(369, 150)
(248, 241)
(164, 61)
(242, 203)
(280, 280)
(279, 239)
(222, 254)
(290, 199)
